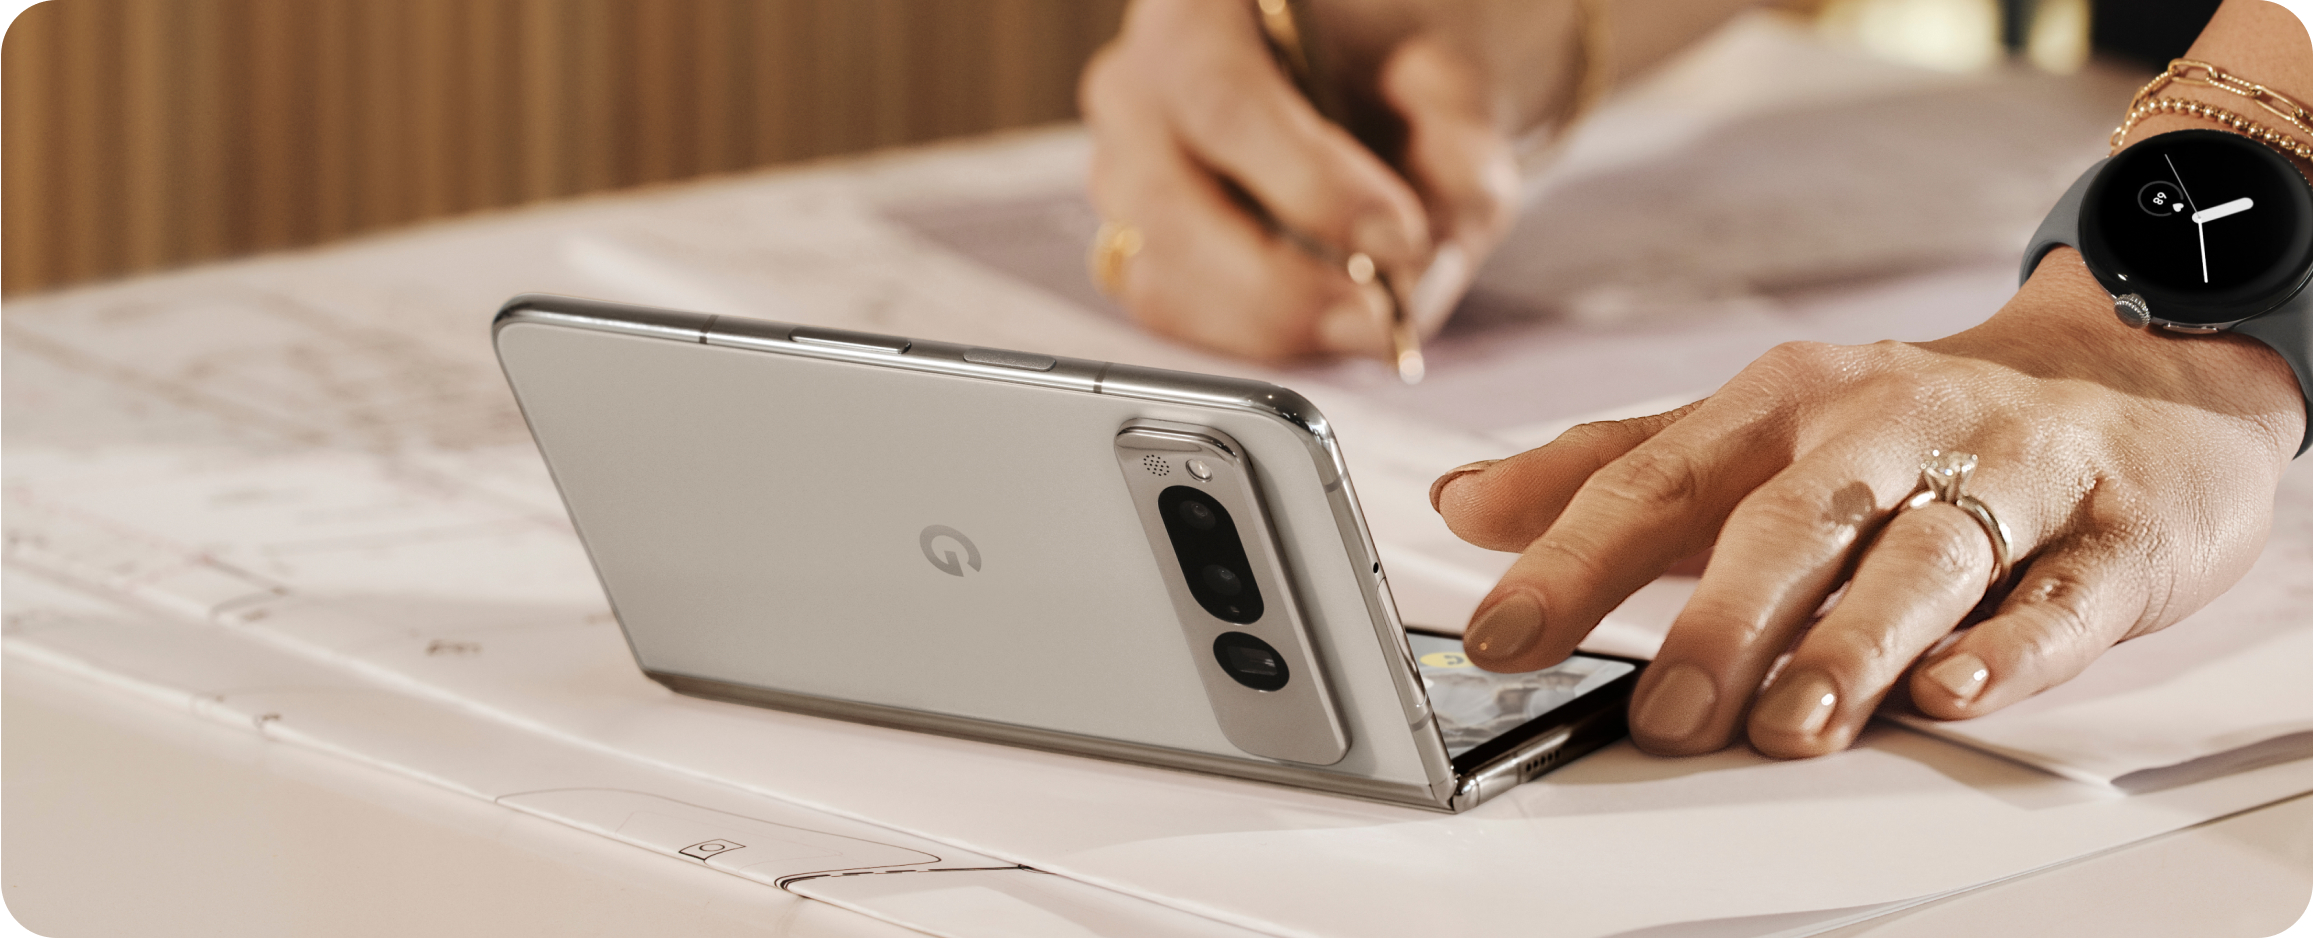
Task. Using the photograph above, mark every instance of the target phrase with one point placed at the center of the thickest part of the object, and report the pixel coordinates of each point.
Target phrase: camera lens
(1212, 558)
(1251, 661)
(1198, 515)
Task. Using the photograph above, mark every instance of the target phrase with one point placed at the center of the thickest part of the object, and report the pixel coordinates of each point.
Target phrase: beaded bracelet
(2181, 71)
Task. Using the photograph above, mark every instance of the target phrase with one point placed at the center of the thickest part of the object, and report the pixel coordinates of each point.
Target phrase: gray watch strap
(2288, 328)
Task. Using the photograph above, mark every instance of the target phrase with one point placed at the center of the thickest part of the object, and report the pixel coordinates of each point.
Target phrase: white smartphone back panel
(759, 518)
(753, 527)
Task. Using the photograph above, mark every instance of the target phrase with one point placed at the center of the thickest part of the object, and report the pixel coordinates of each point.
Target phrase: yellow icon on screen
(1446, 659)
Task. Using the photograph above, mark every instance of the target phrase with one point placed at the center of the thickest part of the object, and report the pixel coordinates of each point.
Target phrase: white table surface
(135, 817)
(127, 819)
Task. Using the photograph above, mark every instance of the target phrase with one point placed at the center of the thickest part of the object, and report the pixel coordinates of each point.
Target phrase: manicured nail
(1382, 237)
(1798, 705)
(1963, 674)
(1681, 702)
(1438, 488)
(1505, 630)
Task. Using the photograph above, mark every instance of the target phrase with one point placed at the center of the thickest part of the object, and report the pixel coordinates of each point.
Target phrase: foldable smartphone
(1095, 558)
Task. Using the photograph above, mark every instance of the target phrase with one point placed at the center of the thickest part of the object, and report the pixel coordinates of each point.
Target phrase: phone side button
(1003, 358)
(840, 338)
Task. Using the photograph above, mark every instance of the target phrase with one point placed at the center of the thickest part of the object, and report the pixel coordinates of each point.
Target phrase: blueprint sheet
(305, 470)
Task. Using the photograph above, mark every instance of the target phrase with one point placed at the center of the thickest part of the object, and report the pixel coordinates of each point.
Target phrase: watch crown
(2132, 310)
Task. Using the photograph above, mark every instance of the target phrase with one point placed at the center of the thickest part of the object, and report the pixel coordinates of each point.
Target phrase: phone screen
(1474, 705)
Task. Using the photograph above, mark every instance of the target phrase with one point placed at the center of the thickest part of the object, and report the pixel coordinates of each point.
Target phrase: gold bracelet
(2180, 71)
(2231, 121)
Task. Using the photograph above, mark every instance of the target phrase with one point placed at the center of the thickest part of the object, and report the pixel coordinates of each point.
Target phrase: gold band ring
(1943, 477)
(1112, 248)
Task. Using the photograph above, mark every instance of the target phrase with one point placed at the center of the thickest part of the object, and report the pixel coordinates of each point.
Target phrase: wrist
(2061, 326)
(2266, 61)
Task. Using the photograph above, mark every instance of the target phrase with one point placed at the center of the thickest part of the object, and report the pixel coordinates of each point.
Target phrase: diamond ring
(1944, 478)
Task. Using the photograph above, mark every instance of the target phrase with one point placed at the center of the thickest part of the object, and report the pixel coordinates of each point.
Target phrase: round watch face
(2207, 226)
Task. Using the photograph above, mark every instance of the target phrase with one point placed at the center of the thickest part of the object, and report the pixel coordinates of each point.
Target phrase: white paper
(314, 453)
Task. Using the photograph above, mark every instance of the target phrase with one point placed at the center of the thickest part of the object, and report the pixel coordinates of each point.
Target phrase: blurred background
(145, 134)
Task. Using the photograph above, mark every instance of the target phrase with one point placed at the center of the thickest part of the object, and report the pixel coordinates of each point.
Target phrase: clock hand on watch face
(2213, 213)
(2200, 233)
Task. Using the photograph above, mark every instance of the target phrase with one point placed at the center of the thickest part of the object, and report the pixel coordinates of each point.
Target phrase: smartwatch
(2198, 231)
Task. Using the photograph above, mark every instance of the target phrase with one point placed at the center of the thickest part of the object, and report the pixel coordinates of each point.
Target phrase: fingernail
(1681, 701)
(1505, 630)
(1352, 329)
(1963, 674)
(1438, 488)
(1384, 238)
(1798, 705)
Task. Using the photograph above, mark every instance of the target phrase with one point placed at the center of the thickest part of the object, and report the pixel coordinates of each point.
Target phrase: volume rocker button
(839, 338)
(1004, 358)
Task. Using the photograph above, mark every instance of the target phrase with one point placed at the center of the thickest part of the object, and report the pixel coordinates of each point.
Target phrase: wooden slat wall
(137, 134)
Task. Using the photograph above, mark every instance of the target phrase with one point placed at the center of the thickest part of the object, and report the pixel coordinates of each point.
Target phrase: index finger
(1513, 501)
(1662, 501)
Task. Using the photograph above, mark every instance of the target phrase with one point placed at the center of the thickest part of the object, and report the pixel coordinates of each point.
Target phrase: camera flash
(1198, 469)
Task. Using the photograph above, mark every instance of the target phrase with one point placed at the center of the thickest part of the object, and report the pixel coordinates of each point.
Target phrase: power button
(1004, 358)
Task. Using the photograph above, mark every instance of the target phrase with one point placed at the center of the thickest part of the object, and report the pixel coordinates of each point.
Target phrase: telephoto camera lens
(1212, 557)
(1251, 661)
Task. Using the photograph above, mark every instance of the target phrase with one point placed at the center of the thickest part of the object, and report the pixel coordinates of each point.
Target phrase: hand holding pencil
(1242, 218)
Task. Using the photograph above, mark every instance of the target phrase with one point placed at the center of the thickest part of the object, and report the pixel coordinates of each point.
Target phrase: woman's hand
(2135, 471)
(1188, 102)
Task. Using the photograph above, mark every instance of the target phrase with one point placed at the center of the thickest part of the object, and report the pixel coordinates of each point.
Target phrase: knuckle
(1946, 547)
(2074, 397)
(2119, 508)
(1608, 435)
(2063, 635)
(1876, 651)
(2062, 644)
(1104, 82)
(1903, 390)
(1801, 516)
(1853, 657)
(1907, 390)
(1332, 195)
(2054, 595)
(2117, 520)
(1721, 626)
(1810, 362)
(1861, 651)
(1583, 561)
(1218, 103)
(1650, 476)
